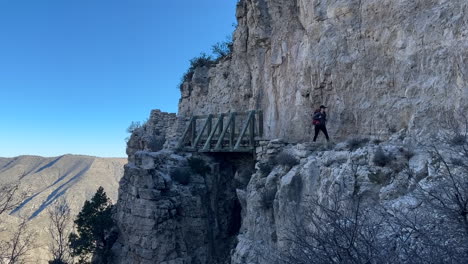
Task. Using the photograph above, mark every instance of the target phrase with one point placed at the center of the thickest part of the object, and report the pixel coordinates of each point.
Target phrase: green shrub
(458, 140)
(199, 166)
(379, 178)
(286, 159)
(356, 143)
(267, 166)
(407, 153)
(381, 158)
(133, 126)
(200, 61)
(181, 175)
(392, 129)
(222, 49)
(93, 225)
(457, 162)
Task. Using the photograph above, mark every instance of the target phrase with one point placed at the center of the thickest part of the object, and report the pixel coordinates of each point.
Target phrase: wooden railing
(240, 133)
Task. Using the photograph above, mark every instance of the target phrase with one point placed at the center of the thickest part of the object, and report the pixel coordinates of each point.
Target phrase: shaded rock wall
(163, 219)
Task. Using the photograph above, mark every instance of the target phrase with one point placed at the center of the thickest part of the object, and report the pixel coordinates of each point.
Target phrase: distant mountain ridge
(74, 178)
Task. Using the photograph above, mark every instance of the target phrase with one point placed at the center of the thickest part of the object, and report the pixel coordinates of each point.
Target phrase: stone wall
(268, 149)
(154, 134)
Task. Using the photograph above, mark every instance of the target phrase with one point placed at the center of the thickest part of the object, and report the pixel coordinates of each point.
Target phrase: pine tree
(93, 225)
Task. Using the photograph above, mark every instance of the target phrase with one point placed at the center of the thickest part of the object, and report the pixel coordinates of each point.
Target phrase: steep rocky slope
(46, 180)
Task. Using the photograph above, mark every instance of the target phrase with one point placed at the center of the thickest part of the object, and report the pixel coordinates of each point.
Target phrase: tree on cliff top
(219, 50)
(94, 237)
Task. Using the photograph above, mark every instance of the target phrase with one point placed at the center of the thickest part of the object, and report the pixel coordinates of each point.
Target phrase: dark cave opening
(232, 171)
(236, 219)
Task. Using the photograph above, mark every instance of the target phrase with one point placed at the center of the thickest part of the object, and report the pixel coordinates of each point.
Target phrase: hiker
(320, 120)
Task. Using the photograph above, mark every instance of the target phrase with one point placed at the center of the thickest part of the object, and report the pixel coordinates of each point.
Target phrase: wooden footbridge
(232, 132)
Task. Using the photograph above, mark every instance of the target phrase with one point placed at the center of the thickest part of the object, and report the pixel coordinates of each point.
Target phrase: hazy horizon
(66, 154)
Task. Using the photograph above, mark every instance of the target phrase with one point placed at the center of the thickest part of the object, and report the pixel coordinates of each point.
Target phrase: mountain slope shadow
(58, 192)
(48, 165)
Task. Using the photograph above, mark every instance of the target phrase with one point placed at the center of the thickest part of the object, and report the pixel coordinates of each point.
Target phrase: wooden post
(184, 135)
(244, 129)
(233, 131)
(219, 144)
(260, 123)
(221, 123)
(194, 131)
(252, 130)
(208, 120)
(208, 141)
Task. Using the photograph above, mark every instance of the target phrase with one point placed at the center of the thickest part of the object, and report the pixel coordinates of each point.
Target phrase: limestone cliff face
(393, 70)
(171, 211)
(381, 66)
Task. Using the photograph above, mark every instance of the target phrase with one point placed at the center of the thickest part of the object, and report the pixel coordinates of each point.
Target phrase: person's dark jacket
(322, 117)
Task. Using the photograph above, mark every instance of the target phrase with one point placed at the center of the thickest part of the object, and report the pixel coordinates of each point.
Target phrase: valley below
(44, 182)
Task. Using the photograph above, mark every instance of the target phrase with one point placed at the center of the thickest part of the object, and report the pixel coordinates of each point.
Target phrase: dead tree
(16, 250)
(443, 209)
(10, 196)
(339, 230)
(59, 228)
(21, 239)
(435, 230)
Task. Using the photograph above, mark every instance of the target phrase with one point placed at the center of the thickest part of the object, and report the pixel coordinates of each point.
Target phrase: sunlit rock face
(388, 70)
(380, 66)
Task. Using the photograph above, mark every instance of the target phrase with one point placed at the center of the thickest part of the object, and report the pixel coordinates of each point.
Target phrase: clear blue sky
(75, 73)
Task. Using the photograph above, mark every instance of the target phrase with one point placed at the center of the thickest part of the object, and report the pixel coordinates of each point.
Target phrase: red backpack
(315, 121)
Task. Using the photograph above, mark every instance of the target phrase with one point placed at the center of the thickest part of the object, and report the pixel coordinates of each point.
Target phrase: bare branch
(16, 250)
(59, 228)
(10, 197)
